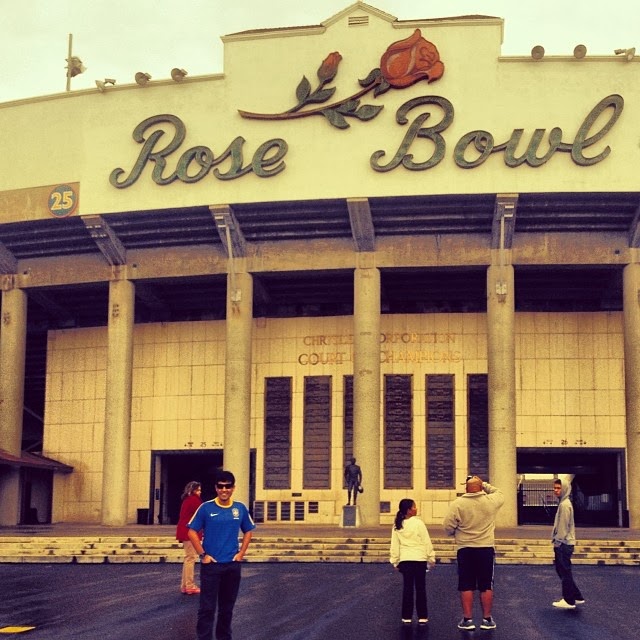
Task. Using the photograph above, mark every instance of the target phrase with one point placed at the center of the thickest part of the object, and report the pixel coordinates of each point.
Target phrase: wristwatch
(202, 555)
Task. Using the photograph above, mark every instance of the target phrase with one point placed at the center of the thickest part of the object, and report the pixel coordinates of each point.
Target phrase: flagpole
(69, 63)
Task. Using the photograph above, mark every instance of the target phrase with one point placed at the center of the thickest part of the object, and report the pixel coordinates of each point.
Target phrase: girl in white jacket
(412, 554)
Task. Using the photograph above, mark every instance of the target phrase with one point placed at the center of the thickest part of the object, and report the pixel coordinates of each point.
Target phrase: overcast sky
(116, 38)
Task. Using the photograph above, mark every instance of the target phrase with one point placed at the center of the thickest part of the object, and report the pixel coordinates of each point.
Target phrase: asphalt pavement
(298, 601)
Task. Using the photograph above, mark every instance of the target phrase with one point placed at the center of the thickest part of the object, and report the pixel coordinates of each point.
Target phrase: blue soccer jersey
(221, 526)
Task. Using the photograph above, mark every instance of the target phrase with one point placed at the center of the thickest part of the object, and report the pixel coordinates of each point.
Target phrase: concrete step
(165, 549)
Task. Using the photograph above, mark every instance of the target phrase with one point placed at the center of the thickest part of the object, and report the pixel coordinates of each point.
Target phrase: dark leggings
(414, 575)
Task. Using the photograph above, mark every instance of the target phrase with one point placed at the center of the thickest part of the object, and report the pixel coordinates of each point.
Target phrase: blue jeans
(562, 562)
(219, 585)
(414, 575)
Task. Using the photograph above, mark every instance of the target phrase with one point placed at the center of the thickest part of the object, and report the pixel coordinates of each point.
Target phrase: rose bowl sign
(403, 64)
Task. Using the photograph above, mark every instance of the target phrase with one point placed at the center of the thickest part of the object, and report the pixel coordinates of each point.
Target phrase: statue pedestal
(350, 516)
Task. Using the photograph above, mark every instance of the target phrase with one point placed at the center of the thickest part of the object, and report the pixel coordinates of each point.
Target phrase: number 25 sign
(63, 201)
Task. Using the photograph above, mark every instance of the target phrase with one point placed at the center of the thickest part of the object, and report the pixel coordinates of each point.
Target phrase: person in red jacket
(191, 500)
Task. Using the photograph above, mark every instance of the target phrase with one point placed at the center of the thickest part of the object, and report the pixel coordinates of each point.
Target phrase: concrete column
(502, 389)
(237, 376)
(13, 339)
(366, 386)
(117, 422)
(631, 307)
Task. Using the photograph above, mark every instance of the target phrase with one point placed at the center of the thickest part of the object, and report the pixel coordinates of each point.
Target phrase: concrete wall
(570, 392)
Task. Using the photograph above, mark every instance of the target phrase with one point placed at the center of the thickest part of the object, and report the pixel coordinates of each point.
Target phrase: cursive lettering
(475, 147)
(162, 135)
(417, 131)
(195, 163)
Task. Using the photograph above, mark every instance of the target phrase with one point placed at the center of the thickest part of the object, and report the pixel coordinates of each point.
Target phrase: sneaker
(466, 624)
(563, 604)
(579, 601)
(488, 623)
(423, 620)
(406, 620)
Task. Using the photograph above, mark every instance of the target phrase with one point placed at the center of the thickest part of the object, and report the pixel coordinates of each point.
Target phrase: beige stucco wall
(570, 380)
(82, 136)
(570, 392)
(177, 404)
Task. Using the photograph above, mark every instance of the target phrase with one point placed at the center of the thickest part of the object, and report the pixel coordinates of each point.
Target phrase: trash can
(143, 516)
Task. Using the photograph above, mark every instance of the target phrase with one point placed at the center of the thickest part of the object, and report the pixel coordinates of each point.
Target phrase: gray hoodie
(564, 528)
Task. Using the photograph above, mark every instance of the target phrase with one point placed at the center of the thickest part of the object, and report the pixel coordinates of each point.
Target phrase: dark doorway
(598, 488)
(36, 495)
(171, 471)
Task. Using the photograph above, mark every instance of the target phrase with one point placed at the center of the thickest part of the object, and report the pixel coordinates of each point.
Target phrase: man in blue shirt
(221, 520)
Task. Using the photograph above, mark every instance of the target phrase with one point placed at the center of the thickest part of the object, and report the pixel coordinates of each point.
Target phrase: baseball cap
(466, 480)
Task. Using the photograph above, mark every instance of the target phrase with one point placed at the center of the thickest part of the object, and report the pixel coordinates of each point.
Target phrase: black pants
(219, 585)
(562, 562)
(414, 575)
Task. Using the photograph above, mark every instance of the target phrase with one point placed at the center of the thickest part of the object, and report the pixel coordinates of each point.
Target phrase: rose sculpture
(329, 67)
(403, 63)
(410, 60)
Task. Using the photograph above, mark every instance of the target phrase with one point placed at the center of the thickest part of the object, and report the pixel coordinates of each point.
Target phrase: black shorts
(475, 568)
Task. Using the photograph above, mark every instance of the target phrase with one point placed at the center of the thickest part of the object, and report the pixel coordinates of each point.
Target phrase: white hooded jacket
(412, 542)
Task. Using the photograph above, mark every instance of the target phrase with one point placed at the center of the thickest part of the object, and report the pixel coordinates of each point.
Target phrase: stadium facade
(369, 237)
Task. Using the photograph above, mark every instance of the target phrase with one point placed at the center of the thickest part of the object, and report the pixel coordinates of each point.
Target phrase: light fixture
(102, 84)
(579, 52)
(537, 53)
(75, 66)
(142, 78)
(178, 74)
(627, 53)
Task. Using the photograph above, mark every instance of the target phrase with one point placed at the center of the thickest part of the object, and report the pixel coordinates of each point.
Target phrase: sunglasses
(223, 485)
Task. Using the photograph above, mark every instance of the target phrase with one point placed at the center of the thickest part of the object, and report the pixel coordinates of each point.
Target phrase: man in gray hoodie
(472, 520)
(564, 540)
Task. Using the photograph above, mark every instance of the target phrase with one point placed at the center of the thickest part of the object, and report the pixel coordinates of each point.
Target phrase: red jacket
(189, 506)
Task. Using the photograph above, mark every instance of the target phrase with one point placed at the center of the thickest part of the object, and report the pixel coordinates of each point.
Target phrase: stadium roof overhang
(359, 221)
